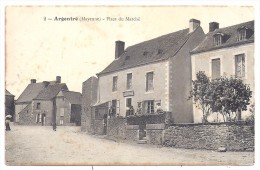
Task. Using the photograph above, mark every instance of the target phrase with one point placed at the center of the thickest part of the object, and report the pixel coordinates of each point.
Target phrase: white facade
(203, 62)
(138, 92)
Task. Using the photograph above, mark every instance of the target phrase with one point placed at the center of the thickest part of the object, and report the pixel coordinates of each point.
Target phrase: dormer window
(242, 33)
(218, 39)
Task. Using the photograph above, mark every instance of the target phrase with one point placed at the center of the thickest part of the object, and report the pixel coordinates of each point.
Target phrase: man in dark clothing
(54, 126)
(7, 124)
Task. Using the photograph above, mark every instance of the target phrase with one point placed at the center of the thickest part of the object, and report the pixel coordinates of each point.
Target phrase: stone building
(53, 103)
(25, 99)
(9, 104)
(226, 52)
(89, 98)
(150, 76)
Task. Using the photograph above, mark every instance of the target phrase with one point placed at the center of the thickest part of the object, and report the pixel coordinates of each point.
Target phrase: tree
(230, 97)
(227, 96)
(200, 94)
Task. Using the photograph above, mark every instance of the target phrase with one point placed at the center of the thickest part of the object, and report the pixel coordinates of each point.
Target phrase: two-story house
(226, 52)
(53, 103)
(151, 75)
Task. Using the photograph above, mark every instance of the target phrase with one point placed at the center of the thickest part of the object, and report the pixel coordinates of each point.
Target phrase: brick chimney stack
(33, 81)
(213, 26)
(46, 83)
(193, 25)
(120, 48)
(58, 79)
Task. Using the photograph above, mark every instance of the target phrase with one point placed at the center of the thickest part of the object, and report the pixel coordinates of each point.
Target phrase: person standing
(7, 124)
(54, 126)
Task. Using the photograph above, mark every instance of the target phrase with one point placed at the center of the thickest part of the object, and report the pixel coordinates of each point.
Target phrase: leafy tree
(227, 96)
(230, 97)
(201, 94)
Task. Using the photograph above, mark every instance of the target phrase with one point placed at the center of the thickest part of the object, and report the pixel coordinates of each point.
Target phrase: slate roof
(230, 34)
(157, 49)
(51, 91)
(30, 92)
(73, 97)
(7, 93)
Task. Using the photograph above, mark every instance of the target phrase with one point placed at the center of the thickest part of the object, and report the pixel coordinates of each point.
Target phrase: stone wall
(98, 125)
(26, 117)
(89, 97)
(116, 128)
(132, 132)
(233, 136)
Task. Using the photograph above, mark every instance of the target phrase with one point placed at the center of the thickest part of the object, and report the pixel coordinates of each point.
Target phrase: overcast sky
(74, 50)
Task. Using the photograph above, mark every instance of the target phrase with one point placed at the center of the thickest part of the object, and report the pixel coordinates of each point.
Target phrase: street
(40, 145)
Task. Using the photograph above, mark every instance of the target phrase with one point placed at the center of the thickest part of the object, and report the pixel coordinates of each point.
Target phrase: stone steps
(142, 141)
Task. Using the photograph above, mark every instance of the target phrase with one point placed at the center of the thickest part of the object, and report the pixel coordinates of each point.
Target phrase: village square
(183, 98)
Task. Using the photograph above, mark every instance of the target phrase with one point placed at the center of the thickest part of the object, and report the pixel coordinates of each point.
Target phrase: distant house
(226, 52)
(25, 99)
(152, 75)
(9, 104)
(53, 103)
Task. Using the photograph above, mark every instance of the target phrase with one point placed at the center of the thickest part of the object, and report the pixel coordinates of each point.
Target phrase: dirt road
(36, 145)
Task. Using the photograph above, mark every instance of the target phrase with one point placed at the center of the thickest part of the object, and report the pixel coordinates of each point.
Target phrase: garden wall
(233, 136)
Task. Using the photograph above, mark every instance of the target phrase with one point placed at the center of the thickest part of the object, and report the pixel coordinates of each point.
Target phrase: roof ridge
(222, 28)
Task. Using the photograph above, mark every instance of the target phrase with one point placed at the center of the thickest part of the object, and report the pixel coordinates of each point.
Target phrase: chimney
(58, 79)
(193, 24)
(120, 48)
(33, 81)
(46, 83)
(213, 26)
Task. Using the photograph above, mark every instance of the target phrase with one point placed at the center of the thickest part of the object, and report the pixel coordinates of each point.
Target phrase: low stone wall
(116, 128)
(154, 133)
(235, 137)
(132, 132)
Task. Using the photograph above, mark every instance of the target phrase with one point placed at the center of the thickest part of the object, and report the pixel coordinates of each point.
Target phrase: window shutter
(215, 68)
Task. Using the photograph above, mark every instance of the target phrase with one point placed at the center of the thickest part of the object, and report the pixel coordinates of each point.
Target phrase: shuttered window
(240, 65)
(215, 69)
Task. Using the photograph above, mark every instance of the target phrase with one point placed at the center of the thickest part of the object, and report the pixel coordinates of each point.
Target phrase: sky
(76, 50)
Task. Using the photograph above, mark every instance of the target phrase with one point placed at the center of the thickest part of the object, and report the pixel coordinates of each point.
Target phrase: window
(149, 81)
(215, 68)
(241, 34)
(38, 105)
(114, 88)
(129, 81)
(149, 106)
(217, 39)
(62, 111)
(240, 65)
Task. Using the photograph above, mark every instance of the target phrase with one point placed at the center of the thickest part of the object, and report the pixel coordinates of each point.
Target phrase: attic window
(242, 33)
(160, 51)
(218, 39)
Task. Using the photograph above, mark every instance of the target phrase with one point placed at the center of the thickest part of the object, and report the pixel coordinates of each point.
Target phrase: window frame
(217, 39)
(235, 65)
(129, 84)
(147, 89)
(114, 83)
(38, 105)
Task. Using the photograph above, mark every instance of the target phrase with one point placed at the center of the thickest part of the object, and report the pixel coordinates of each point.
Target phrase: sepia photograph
(154, 85)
